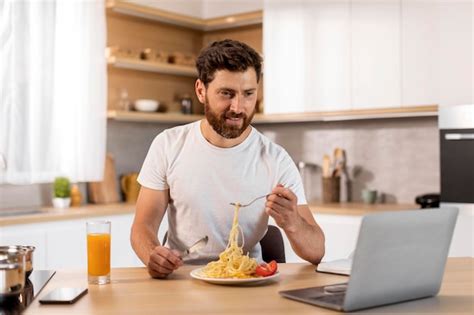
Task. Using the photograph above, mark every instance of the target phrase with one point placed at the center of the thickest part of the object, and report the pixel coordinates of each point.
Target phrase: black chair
(272, 245)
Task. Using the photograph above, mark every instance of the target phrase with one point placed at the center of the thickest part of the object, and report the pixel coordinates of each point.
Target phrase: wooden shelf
(175, 118)
(149, 66)
(404, 112)
(150, 13)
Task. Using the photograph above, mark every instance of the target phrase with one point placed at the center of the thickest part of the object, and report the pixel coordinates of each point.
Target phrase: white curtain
(53, 89)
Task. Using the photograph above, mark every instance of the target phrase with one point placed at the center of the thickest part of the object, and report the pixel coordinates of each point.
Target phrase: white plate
(197, 274)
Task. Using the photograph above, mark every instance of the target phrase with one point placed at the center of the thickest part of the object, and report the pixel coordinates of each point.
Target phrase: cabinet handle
(459, 136)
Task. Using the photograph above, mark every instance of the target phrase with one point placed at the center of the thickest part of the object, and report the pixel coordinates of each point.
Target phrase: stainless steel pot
(28, 255)
(12, 271)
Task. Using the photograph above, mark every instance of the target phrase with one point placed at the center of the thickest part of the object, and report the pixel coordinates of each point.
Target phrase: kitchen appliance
(428, 200)
(33, 286)
(456, 130)
(12, 271)
(28, 252)
(456, 124)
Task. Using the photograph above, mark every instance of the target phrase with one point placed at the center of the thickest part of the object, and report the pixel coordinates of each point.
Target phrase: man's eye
(249, 93)
(226, 93)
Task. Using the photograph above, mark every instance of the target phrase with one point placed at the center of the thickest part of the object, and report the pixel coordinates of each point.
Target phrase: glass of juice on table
(98, 252)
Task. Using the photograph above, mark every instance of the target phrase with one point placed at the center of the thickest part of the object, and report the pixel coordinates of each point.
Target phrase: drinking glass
(98, 252)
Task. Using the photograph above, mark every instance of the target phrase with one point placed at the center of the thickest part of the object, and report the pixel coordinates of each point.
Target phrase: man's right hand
(163, 261)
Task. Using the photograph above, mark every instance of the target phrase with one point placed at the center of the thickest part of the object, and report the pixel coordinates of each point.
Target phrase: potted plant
(62, 192)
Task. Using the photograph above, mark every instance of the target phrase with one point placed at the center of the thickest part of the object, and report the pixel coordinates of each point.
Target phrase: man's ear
(200, 89)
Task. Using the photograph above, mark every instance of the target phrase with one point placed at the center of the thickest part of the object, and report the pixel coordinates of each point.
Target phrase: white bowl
(146, 105)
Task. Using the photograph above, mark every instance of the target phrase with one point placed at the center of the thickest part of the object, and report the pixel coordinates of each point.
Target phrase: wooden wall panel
(161, 87)
(251, 35)
(136, 33)
(132, 32)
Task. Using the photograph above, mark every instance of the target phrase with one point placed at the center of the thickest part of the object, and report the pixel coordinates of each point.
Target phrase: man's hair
(229, 55)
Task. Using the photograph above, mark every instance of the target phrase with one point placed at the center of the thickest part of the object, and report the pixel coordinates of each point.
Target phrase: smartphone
(63, 296)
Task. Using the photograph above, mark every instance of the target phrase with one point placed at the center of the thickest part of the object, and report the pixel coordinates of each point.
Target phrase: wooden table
(132, 291)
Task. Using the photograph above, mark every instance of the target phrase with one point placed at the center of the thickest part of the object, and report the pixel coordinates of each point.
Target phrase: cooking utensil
(12, 271)
(326, 166)
(28, 255)
(248, 204)
(105, 191)
(196, 246)
(339, 162)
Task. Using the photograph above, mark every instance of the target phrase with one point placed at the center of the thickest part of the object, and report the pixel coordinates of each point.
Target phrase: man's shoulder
(268, 145)
(175, 133)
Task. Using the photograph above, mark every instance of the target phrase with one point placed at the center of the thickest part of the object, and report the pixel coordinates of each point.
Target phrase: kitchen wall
(398, 157)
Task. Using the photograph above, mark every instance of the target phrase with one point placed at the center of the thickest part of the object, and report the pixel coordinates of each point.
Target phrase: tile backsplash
(397, 157)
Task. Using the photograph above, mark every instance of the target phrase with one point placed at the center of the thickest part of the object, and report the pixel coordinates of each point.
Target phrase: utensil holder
(331, 189)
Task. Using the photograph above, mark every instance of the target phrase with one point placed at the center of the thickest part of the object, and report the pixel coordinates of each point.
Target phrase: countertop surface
(132, 291)
(51, 214)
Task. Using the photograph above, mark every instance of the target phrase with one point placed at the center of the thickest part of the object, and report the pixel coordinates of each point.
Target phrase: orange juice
(98, 254)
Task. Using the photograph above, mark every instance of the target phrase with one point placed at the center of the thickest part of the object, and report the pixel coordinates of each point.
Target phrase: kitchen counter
(132, 291)
(51, 214)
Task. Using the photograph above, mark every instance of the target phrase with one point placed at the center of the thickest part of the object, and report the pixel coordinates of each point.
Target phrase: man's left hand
(282, 206)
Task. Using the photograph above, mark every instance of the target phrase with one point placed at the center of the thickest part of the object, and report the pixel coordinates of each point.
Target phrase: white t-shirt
(203, 179)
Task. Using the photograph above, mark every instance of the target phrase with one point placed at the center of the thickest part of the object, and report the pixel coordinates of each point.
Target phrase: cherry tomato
(265, 270)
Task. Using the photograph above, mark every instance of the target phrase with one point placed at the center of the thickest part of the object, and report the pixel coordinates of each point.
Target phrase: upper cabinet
(329, 56)
(420, 52)
(456, 67)
(375, 51)
(365, 54)
(437, 52)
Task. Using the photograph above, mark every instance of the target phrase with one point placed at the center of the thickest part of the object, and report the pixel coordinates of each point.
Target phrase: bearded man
(193, 172)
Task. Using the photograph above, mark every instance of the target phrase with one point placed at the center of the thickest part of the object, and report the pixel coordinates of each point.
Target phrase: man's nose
(236, 104)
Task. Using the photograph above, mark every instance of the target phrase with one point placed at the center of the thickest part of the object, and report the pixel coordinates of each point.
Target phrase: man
(196, 170)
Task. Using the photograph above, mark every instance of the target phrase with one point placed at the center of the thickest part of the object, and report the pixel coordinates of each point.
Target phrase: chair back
(273, 247)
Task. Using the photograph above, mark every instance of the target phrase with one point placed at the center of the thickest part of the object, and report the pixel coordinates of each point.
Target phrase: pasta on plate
(232, 262)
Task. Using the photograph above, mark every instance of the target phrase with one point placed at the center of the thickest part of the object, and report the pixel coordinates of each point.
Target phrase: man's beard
(217, 121)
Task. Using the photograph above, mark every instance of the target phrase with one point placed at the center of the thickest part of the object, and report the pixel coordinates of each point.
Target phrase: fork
(242, 206)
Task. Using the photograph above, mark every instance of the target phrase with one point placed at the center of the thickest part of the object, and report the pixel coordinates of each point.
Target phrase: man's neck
(219, 141)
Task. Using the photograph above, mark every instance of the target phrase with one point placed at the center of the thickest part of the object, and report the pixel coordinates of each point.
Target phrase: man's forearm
(143, 240)
(307, 241)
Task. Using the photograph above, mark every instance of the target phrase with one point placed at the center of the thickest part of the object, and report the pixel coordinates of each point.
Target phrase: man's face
(230, 101)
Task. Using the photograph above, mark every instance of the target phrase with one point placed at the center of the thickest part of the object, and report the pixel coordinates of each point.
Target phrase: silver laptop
(399, 256)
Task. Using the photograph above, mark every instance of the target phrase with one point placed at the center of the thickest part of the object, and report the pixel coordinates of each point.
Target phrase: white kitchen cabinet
(456, 66)
(375, 29)
(340, 232)
(27, 234)
(307, 56)
(437, 52)
(285, 58)
(66, 245)
(62, 244)
(328, 56)
(420, 52)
